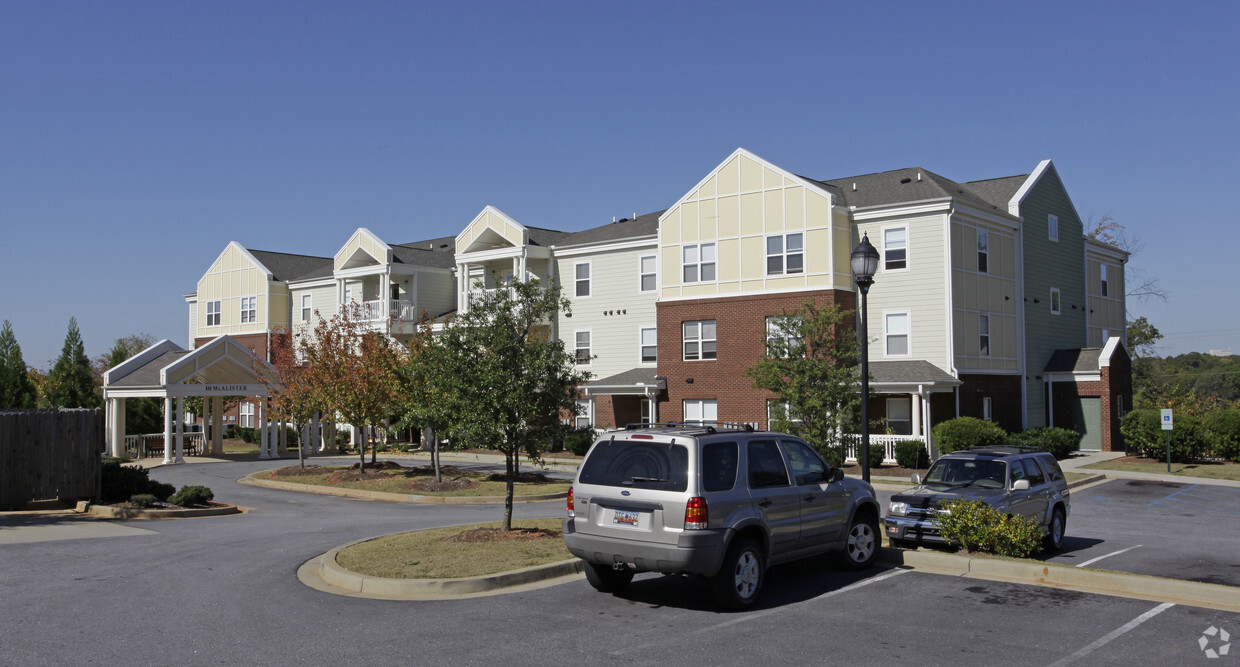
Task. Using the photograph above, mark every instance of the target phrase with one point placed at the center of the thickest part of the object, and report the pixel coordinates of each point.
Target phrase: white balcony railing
(400, 311)
(888, 442)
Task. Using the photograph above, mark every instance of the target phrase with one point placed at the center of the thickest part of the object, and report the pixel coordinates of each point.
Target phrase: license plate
(626, 517)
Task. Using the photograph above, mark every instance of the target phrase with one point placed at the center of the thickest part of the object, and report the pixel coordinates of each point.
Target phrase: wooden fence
(49, 455)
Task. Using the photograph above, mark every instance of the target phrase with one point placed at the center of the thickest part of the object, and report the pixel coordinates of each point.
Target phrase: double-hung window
(983, 252)
(1102, 274)
(900, 416)
(699, 263)
(699, 340)
(585, 414)
(781, 337)
(983, 335)
(249, 309)
(582, 272)
(896, 333)
(701, 410)
(650, 345)
(307, 307)
(648, 271)
(583, 348)
(895, 248)
(213, 313)
(247, 414)
(785, 254)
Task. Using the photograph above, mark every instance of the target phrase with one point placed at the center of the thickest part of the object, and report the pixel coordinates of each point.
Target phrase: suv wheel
(1054, 535)
(740, 579)
(861, 548)
(606, 579)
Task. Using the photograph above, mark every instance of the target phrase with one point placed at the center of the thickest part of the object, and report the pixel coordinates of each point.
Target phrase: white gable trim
(139, 360)
(488, 209)
(245, 253)
(1108, 351)
(362, 231)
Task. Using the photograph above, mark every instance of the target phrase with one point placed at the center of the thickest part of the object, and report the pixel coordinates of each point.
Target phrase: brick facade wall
(1115, 391)
(260, 344)
(1004, 392)
(741, 341)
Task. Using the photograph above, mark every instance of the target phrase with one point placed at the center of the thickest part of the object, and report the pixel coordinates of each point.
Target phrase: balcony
(398, 311)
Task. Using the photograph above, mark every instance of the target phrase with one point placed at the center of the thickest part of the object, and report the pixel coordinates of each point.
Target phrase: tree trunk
(374, 445)
(509, 459)
(361, 448)
(301, 446)
(435, 457)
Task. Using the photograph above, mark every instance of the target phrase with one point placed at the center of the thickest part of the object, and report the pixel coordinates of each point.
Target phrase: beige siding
(436, 293)
(917, 290)
(737, 207)
(490, 229)
(614, 312)
(991, 293)
(231, 277)
(1105, 312)
(362, 249)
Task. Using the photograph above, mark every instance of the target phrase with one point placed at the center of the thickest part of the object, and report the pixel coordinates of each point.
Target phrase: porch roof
(908, 376)
(222, 367)
(638, 381)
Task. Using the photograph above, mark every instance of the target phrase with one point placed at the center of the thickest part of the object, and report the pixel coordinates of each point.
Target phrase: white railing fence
(852, 441)
(401, 311)
(152, 444)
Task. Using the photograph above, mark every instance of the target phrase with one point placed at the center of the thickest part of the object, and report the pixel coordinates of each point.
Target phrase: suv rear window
(633, 464)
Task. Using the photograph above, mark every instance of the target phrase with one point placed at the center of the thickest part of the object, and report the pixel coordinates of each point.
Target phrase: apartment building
(989, 301)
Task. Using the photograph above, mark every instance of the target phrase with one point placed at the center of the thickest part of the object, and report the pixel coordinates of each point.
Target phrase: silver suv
(1014, 480)
(719, 501)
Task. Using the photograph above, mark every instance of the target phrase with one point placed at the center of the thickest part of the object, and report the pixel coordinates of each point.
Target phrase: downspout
(947, 299)
(1022, 360)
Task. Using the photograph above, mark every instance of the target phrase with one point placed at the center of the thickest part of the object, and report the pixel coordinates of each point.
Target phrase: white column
(168, 414)
(916, 412)
(217, 425)
(281, 438)
(261, 424)
(116, 427)
(180, 430)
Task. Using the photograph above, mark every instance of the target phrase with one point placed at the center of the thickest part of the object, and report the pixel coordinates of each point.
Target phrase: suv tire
(607, 579)
(861, 548)
(1055, 530)
(740, 579)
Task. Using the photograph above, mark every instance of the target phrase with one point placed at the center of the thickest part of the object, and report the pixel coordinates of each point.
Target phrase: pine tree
(72, 382)
(17, 391)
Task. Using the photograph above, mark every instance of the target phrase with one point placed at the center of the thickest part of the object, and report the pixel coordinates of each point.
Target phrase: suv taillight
(571, 504)
(696, 516)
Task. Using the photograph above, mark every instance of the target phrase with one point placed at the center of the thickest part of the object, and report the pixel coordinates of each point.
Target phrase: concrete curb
(1053, 575)
(107, 512)
(329, 572)
(394, 497)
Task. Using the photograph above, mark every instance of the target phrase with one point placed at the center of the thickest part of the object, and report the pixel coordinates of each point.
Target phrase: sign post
(1166, 426)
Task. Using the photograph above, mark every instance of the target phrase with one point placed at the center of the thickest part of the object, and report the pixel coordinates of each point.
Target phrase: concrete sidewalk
(1078, 461)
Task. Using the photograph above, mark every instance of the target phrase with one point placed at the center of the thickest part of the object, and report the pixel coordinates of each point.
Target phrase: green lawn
(1230, 471)
(430, 554)
(401, 483)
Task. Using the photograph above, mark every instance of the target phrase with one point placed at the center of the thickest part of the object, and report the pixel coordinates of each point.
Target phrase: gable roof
(285, 266)
(641, 226)
(902, 186)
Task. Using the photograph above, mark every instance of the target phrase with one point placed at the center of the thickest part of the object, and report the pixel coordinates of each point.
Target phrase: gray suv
(1015, 480)
(720, 501)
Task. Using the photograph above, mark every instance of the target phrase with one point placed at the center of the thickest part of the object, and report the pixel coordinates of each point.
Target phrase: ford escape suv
(720, 501)
(1015, 480)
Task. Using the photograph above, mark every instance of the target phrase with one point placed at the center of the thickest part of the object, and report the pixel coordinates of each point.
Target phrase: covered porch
(911, 397)
(624, 398)
(218, 369)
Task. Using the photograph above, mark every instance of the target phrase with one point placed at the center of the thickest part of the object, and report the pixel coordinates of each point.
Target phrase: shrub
(118, 483)
(912, 454)
(1142, 430)
(1060, 442)
(159, 490)
(578, 442)
(191, 495)
(143, 500)
(976, 526)
(833, 455)
(877, 454)
(966, 432)
(1222, 433)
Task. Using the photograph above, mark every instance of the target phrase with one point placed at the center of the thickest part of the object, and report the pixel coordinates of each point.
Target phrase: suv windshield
(967, 472)
(631, 463)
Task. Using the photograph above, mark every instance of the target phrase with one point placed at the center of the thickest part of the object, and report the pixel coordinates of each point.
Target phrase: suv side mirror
(916, 478)
(835, 475)
(1020, 485)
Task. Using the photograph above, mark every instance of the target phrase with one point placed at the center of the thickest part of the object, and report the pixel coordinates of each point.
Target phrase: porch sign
(1166, 420)
(239, 389)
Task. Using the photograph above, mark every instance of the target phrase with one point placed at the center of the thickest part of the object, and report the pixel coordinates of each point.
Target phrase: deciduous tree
(497, 378)
(291, 395)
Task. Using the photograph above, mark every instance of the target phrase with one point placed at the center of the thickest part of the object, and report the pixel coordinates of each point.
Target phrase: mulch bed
(159, 505)
(1135, 459)
(499, 535)
(854, 470)
(421, 479)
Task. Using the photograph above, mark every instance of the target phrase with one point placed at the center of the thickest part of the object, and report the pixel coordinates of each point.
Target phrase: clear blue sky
(138, 138)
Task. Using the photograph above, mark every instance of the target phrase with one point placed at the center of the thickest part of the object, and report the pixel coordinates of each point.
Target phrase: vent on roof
(854, 187)
(919, 177)
(443, 245)
(906, 180)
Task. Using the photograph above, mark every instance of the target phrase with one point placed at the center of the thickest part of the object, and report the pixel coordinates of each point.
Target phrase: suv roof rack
(704, 426)
(1002, 450)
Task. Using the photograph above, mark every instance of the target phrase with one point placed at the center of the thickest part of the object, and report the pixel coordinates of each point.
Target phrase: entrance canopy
(222, 367)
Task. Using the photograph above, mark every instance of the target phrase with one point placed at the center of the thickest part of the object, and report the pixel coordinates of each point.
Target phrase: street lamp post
(864, 264)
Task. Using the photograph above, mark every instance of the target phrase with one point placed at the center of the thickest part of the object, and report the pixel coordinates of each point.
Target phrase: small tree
(497, 377)
(352, 371)
(811, 363)
(292, 396)
(17, 391)
(71, 382)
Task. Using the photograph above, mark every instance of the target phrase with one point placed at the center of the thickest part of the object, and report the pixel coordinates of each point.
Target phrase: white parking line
(1114, 553)
(1115, 634)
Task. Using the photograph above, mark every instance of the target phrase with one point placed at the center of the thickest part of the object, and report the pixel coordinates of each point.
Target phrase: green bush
(966, 432)
(833, 455)
(1222, 433)
(191, 495)
(118, 483)
(143, 500)
(877, 454)
(1142, 430)
(160, 490)
(578, 442)
(912, 454)
(1060, 442)
(976, 526)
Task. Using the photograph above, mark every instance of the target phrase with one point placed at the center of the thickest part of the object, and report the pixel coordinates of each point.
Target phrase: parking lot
(224, 590)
